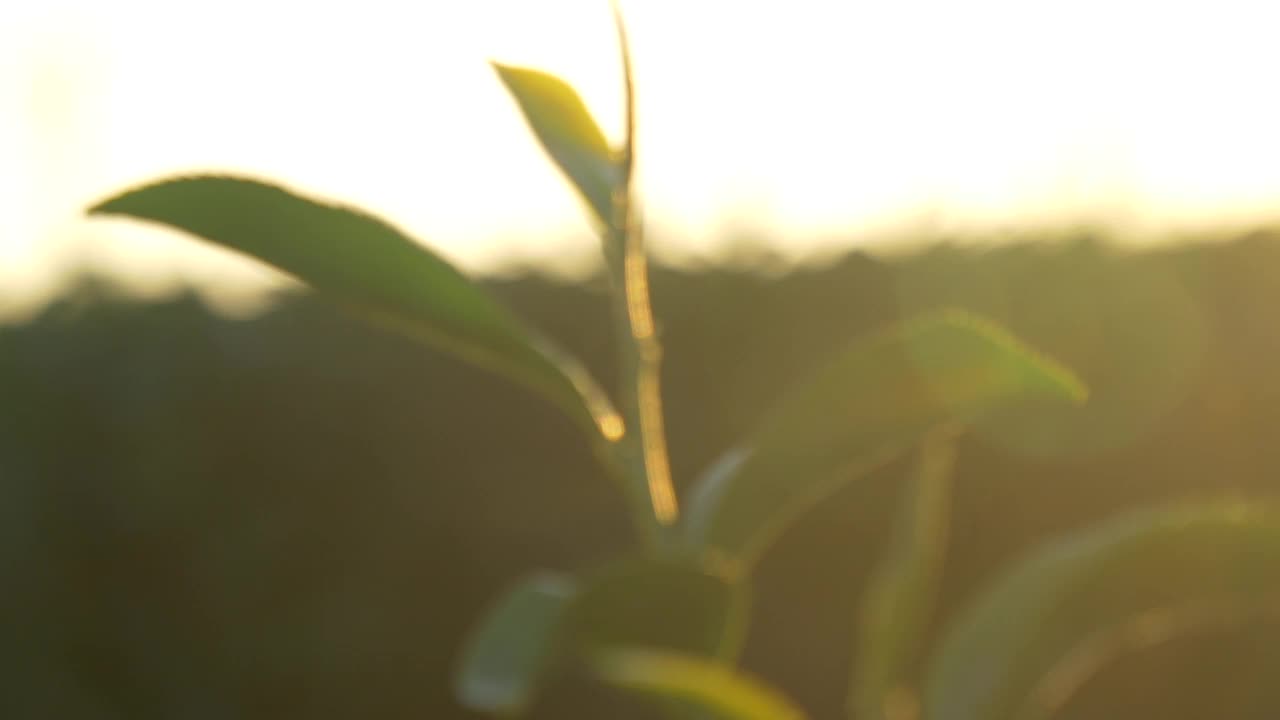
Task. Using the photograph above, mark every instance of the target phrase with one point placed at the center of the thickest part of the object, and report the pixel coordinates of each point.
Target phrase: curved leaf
(568, 133)
(875, 401)
(716, 690)
(666, 602)
(374, 269)
(663, 602)
(511, 650)
(1044, 626)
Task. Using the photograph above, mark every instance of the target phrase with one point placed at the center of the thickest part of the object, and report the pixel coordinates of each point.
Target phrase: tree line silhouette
(296, 516)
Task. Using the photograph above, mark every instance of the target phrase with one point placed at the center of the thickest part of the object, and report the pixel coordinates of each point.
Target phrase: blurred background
(223, 500)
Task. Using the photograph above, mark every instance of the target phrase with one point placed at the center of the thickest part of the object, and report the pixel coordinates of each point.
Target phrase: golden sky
(797, 118)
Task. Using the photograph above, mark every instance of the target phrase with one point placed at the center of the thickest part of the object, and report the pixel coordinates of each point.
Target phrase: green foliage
(564, 126)
(650, 601)
(324, 508)
(875, 401)
(661, 601)
(514, 644)
(374, 270)
(712, 688)
(669, 620)
(1031, 638)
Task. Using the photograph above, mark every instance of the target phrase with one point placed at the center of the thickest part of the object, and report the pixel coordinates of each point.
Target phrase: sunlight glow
(808, 119)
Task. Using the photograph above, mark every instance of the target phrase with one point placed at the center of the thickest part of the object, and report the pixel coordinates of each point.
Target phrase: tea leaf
(1060, 614)
(511, 650)
(715, 689)
(665, 602)
(872, 403)
(374, 269)
(566, 130)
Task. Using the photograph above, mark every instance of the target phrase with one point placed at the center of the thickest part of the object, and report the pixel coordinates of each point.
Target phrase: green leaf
(900, 594)
(715, 689)
(872, 403)
(667, 602)
(568, 133)
(510, 652)
(1067, 608)
(374, 269)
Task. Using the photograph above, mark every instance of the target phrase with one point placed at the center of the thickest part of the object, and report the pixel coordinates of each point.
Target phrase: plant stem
(640, 354)
(899, 599)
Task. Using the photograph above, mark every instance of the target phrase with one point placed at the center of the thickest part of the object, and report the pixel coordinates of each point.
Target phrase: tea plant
(668, 620)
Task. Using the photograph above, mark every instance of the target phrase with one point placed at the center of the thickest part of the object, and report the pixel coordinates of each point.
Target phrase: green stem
(899, 599)
(640, 354)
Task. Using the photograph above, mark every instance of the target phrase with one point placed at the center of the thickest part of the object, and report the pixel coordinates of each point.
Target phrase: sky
(817, 123)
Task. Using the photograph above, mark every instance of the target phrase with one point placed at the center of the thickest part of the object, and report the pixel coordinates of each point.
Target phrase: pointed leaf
(715, 689)
(1043, 627)
(900, 595)
(568, 133)
(374, 269)
(512, 649)
(875, 401)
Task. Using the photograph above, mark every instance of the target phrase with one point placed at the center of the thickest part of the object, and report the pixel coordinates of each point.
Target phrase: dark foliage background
(296, 516)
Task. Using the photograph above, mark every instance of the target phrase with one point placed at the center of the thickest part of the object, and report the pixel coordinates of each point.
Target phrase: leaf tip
(511, 75)
(1041, 372)
(503, 69)
(112, 205)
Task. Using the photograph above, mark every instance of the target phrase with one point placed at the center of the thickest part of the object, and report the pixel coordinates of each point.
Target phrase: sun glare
(810, 119)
